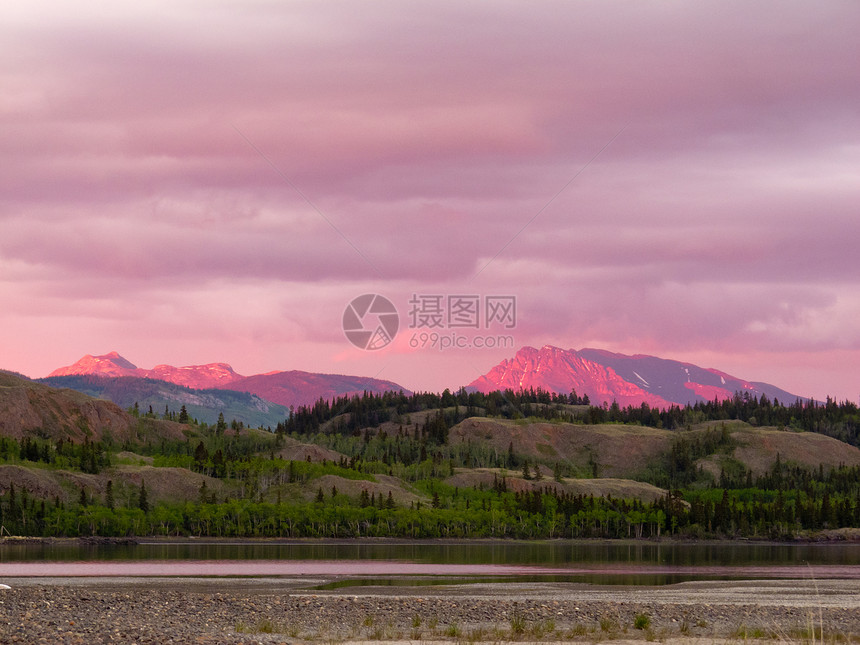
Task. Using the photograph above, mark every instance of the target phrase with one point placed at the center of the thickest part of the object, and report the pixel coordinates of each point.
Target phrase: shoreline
(332, 606)
(297, 610)
(838, 536)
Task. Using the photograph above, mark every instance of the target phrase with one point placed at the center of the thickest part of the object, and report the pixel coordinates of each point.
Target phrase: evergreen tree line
(89, 457)
(374, 409)
(840, 420)
(493, 511)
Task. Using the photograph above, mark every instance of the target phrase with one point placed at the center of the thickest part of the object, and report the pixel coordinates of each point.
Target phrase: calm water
(593, 562)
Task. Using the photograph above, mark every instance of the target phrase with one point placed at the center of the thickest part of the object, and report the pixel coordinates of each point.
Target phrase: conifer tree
(143, 497)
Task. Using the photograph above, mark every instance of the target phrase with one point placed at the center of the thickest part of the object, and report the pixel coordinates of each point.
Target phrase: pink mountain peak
(558, 370)
(112, 364)
(211, 375)
(608, 376)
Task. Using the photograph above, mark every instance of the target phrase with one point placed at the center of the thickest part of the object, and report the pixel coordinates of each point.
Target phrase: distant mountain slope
(304, 388)
(675, 381)
(28, 408)
(203, 405)
(284, 388)
(607, 376)
(197, 377)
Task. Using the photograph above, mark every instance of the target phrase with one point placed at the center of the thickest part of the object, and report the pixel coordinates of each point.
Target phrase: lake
(389, 562)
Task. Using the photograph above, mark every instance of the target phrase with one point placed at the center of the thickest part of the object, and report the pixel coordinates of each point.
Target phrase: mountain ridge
(284, 388)
(113, 364)
(606, 376)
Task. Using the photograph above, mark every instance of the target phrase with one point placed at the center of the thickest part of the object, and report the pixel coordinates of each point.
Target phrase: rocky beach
(277, 610)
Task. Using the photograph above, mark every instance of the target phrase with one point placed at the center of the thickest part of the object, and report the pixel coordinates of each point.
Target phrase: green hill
(424, 465)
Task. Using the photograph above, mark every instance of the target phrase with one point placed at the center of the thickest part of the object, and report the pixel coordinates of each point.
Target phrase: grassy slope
(757, 449)
(618, 450)
(617, 488)
(624, 451)
(162, 484)
(29, 409)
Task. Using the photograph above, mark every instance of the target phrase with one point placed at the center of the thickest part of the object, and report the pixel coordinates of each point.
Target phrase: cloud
(220, 182)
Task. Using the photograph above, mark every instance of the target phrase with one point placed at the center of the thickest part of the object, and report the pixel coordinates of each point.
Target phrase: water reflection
(548, 553)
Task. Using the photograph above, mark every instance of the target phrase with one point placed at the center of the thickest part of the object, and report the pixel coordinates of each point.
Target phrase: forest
(246, 486)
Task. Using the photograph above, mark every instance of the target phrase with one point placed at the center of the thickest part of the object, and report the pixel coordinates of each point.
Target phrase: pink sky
(720, 227)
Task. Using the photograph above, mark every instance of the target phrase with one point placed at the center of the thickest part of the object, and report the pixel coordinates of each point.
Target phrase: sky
(187, 182)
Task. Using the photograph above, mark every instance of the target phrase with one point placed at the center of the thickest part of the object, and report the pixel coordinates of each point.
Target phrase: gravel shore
(218, 610)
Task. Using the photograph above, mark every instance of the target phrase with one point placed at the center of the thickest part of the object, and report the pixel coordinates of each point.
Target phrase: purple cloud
(720, 223)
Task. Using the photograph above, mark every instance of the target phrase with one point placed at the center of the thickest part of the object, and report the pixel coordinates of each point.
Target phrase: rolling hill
(626, 451)
(30, 409)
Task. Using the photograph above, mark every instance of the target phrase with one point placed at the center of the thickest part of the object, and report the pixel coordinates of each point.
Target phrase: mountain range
(264, 399)
(630, 380)
(207, 389)
(211, 375)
